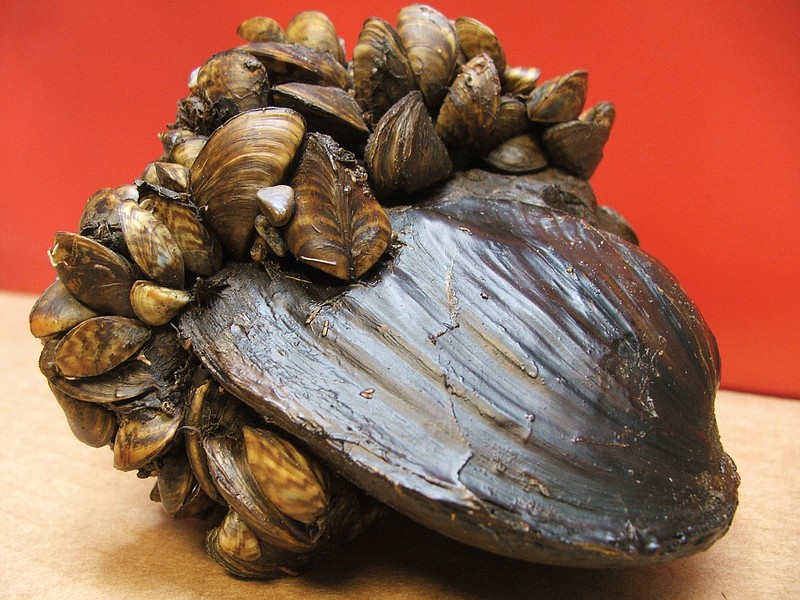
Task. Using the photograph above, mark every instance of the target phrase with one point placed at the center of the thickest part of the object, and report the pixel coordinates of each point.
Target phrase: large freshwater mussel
(319, 303)
(512, 377)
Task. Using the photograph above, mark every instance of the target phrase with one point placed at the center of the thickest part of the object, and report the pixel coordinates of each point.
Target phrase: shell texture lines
(348, 285)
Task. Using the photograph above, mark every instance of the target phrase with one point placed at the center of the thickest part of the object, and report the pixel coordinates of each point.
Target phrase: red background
(702, 161)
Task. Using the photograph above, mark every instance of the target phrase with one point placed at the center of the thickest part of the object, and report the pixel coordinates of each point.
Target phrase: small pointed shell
(99, 211)
(185, 152)
(404, 154)
(92, 424)
(261, 29)
(476, 38)
(337, 226)
(175, 482)
(155, 304)
(238, 549)
(291, 62)
(171, 176)
(275, 242)
(382, 74)
(259, 251)
(100, 220)
(236, 539)
(519, 154)
(577, 146)
(603, 114)
(276, 204)
(470, 106)
(230, 471)
(432, 47)
(511, 120)
(85, 266)
(154, 367)
(151, 245)
(98, 345)
(269, 242)
(209, 411)
(263, 227)
(143, 435)
(171, 137)
(229, 83)
(251, 151)
(57, 311)
(128, 191)
(520, 81)
(202, 253)
(326, 109)
(560, 99)
(314, 29)
(285, 475)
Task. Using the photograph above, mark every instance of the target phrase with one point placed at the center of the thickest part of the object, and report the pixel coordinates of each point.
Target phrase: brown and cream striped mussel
(382, 73)
(388, 282)
(315, 30)
(261, 29)
(251, 151)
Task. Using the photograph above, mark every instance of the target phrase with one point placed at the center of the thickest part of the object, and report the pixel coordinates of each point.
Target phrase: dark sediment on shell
(512, 377)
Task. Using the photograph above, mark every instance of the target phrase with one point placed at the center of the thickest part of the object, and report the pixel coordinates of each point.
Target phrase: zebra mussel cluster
(282, 150)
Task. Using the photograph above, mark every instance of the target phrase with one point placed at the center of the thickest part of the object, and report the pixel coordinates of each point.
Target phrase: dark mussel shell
(513, 378)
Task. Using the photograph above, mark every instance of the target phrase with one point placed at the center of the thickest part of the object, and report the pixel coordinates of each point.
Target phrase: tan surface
(72, 527)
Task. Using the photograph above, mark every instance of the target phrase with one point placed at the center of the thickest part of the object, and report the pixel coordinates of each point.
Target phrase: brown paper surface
(73, 527)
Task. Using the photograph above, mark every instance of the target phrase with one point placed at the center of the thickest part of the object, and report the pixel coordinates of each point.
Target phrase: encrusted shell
(571, 379)
(469, 109)
(382, 74)
(496, 359)
(229, 83)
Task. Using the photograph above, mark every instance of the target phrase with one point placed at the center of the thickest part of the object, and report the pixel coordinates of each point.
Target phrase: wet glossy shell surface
(513, 378)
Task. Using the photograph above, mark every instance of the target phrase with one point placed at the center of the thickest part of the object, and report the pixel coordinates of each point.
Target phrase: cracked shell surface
(551, 398)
